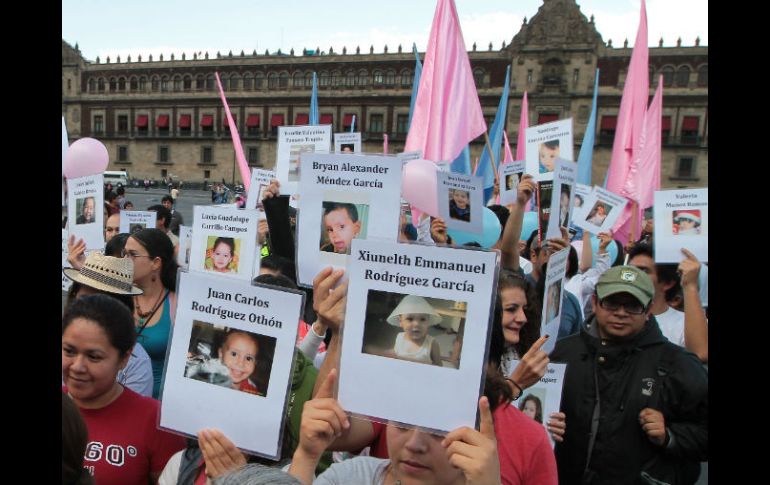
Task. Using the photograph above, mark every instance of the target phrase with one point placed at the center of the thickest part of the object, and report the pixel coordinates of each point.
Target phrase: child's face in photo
(239, 354)
(461, 198)
(564, 199)
(686, 224)
(221, 257)
(88, 208)
(341, 229)
(530, 409)
(415, 326)
(548, 157)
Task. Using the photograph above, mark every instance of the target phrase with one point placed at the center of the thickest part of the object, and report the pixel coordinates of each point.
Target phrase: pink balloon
(418, 185)
(85, 157)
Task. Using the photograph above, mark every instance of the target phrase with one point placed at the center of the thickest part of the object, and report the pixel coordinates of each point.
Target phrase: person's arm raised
(531, 368)
(509, 247)
(696, 336)
(475, 452)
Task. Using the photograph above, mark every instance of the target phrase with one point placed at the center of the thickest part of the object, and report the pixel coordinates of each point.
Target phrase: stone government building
(164, 117)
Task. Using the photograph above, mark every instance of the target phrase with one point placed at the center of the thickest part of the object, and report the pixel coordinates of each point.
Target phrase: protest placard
(229, 361)
(561, 196)
(544, 397)
(546, 143)
(135, 221)
(578, 200)
(407, 156)
(65, 282)
(293, 141)
(260, 181)
(460, 201)
(600, 211)
(341, 195)
(554, 279)
(681, 219)
(185, 242)
(347, 142)
(510, 175)
(544, 189)
(224, 241)
(417, 323)
(85, 210)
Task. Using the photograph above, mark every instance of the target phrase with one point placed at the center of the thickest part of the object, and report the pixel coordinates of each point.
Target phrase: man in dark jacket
(636, 404)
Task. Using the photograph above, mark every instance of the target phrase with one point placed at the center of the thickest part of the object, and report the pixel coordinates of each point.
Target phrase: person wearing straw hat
(113, 277)
(414, 315)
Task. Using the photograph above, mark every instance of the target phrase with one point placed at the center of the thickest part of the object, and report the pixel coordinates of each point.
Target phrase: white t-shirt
(671, 323)
(360, 470)
(137, 375)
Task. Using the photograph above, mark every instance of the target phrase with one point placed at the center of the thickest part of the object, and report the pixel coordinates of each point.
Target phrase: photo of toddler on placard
(222, 254)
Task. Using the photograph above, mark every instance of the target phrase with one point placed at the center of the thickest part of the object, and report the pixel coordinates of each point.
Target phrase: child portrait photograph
(86, 210)
(598, 213)
(460, 205)
(230, 357)
(553, 296)
(417, 329)
(686, 222)
(294, 153)
(222, 254)
(341, 222)
(135, 227)
(548, 152)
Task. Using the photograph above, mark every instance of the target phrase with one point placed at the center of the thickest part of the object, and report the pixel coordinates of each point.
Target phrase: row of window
(250, 81)
(689, 128)
(679, 76)
(253, 123)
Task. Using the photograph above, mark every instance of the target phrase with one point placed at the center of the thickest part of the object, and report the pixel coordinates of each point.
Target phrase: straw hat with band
(413, 304)
(106, 273)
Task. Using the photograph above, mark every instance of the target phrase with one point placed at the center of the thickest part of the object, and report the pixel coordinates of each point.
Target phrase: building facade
(164, 117)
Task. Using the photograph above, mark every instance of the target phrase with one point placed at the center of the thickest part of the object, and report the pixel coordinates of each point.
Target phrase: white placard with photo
(510, 175)
(344, 197)
(224, 241)
(681, 219)
(600, 211)
(134, 221)
(407, 156)
(85, 210)
(417, 323)
(544, 397)
(460, 201)
(581, 193)
(260, 181)
(561, 197)
(554, 289)
(347, 142)
(65, 282)
(546, 143)
(230, 360)
(185, 242)
(293, 141)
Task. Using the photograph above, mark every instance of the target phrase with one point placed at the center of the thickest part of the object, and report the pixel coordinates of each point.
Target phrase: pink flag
(521, 143)
(644, 174)
(447, 113)
(385, 143)
(508, 155)
(242, 165)
(632, 107)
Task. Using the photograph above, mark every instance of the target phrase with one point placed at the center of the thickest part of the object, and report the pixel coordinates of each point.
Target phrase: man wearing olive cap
(636, 404)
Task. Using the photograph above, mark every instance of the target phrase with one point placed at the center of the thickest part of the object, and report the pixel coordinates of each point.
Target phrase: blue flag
(415, 83)
(353, 124)
(314, 102)
(485, 169)
(462, 164)
(587, 148)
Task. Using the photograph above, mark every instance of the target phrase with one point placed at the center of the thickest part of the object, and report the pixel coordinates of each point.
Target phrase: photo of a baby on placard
(686, 222)
(598, 213)
(554, 300)
(414, 328)
(86, 210)
(460, 205)
(294, 153)
(548, 152)
(135, 227)
(531, 404)
(230, 357)
(341, 222)
(222, 254)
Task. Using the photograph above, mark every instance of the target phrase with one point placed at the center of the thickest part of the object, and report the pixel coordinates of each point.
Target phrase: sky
(110, 28)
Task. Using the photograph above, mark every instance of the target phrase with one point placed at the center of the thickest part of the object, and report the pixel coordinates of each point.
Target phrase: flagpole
(634, 220)
(491, 156)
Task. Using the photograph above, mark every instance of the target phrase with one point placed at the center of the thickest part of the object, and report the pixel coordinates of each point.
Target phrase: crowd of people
(633, 333)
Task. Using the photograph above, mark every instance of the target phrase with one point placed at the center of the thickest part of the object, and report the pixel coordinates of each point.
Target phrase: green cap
(626, 279)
